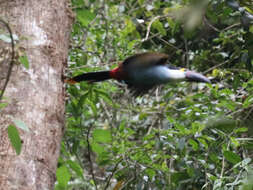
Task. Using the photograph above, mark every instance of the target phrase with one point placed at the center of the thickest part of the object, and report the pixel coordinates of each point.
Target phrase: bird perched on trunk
(142, 72)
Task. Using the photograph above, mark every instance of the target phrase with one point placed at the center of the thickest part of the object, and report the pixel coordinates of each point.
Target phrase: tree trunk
(35, 95)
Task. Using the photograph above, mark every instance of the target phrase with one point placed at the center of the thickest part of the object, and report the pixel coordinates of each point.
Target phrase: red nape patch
(117, 73)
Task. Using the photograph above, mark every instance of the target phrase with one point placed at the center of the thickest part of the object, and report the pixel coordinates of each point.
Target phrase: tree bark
(35, 95)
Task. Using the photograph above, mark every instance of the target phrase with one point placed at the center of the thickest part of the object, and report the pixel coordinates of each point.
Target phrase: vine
(11, 63)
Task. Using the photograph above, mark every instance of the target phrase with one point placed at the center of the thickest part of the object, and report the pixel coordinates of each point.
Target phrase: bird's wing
(146, 59)
(140, 62)
(139, 90)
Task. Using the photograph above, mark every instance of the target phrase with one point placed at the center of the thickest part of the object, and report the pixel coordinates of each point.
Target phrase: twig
(110, 177)
(77, 156)
(85, 31)
(235, 112)
(128, 182)
(248, 114)
(186, 53)
(152, 125)
(156, 35)
(171, 161)
(149, 27)
(169, 44)
(215, 66)
(106, 41)
(105, 109)
(12, 59)
(210, 25)
(223, 166)
(150, 24)
(223, 163)
(89, 157)
(134, 7)
(231, 26)
(242, 110)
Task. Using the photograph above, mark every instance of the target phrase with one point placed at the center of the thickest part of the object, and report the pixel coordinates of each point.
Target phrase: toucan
(142, 72)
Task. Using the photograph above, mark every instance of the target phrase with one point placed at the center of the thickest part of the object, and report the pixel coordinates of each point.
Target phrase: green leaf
(14, 137)
(202, 141)
(248, 101)
(140, 2)
(251, 29)
(150, 172)
(78, 3)
(213, 157)
(190, 171)
(83, 59)
(5, 38)
(97, 148)
(241, 130)
(179, 176)
(20, 124)
(234, 141)
(159, 27)
(63, 176)
(76, 167)
(228, 104)
(101, 135)
(24, 61)
(232, 157)
(104, 95)
(122, 126)
(194, 144)
(3, 105)
(82, 99)
(143, 116)
(129, 28)
(92, 106)
(84, 16)
(210, 176)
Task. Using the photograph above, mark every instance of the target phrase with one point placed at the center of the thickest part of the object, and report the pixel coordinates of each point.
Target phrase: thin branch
(113, 171)
(85, 30)
(222, 167)
(89, 158)
(150, 24)
(232, 26)
(156, 35)
(186, 53)
(75, 153)
(248, 114)
(215, 66)
(106, 41)
(241, 110)
(128, 182)
(223, 164)
(12, 59)
(169, 44)
(105, 109)
(149, 27)
(210, 25)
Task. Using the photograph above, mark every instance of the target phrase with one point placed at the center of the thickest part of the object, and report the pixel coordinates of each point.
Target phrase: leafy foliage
(24, 61)
(14, 137)
(182, 136)
(8, 57)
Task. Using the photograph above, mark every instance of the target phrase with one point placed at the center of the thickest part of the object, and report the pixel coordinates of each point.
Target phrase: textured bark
(35, 95)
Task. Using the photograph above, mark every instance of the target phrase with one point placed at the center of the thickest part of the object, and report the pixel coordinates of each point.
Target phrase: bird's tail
(90, 77)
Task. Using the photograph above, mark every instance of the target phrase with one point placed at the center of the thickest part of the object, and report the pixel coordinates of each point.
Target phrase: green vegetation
(184, 136)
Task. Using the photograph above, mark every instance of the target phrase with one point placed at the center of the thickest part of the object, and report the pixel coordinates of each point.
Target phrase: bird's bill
(196, 77)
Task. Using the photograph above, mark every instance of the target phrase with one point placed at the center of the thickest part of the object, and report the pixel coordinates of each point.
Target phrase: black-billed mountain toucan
(142, 72)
